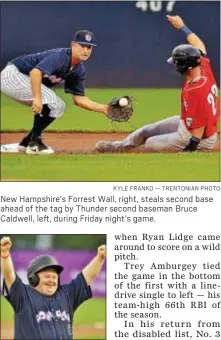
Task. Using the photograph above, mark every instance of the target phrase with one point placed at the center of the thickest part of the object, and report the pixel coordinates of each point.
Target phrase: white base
(9, 148)
(13, 148)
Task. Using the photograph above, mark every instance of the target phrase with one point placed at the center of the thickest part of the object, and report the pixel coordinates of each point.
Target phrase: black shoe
(24, 142)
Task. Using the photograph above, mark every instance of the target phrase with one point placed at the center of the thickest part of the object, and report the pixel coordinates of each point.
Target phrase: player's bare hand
(105, 110)
(101, 251)
(6, 245)
(37, 105)
(176, 21)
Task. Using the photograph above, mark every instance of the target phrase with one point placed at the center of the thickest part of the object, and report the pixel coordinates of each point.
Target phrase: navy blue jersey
(38, 316)
(56, 66)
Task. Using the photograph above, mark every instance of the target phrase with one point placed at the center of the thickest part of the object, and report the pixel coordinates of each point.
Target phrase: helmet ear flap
(33, 280)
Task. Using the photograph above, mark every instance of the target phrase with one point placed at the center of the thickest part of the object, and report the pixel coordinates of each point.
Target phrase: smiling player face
(81, 52)
(48, 282)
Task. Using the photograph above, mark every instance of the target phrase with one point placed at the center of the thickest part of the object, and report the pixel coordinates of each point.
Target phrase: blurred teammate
(28, 79)
(196, 129)
(44, 309)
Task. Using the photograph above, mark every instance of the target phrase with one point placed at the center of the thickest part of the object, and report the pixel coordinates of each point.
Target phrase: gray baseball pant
(167, 135)
(17, 86)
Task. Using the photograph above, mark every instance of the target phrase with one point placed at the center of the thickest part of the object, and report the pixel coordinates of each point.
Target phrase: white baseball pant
(17, 86)
(167, 135)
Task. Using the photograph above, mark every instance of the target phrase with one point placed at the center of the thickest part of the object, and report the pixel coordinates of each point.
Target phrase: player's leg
(140, 136)
(169, 142)
(17, 86)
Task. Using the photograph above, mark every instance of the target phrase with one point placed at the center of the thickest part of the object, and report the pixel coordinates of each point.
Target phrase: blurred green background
(150, 105)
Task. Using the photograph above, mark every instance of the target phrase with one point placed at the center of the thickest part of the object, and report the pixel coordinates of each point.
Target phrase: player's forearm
(87, 104)
(36, 80)
(7, 269)
(194, 141)
(92, 270)
(195, 41)
(191, 37)
(197, 132)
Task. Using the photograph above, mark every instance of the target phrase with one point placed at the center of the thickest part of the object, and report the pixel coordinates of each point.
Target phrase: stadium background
(73, 252)
(132, 44)
(134, 41)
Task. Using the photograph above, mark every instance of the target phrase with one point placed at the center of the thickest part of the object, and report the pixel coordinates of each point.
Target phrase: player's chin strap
(193, 144)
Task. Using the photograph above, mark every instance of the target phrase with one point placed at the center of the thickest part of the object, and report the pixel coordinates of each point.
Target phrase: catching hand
(120, 109)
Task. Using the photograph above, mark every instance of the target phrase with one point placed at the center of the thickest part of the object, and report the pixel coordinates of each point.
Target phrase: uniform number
(211, 98)
(155, 6)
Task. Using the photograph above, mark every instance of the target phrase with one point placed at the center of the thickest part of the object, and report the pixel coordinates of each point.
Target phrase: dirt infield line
(76, 142)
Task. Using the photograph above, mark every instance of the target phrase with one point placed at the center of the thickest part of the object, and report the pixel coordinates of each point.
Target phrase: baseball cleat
(106, 146)
(38, 148)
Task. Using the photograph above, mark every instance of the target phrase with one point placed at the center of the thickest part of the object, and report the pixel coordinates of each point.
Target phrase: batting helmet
(40, 263)
(185, 57)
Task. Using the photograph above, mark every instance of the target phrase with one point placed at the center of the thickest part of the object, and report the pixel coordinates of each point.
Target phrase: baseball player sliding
(44, 309)
(196, 129)
(28, 79)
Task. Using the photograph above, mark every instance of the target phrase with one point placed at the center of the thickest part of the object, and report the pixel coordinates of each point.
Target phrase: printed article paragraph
(166, 285)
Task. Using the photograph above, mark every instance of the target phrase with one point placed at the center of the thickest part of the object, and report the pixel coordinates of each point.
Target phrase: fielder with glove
(30, 79)
(44, 309)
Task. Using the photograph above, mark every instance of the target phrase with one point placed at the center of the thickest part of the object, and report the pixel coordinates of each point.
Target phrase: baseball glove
(118, 112)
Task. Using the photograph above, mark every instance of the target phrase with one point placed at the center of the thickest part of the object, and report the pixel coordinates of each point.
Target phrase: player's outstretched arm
(7, 267)
(192, 38)
(90, 105)
(36, 80)
(92, 270)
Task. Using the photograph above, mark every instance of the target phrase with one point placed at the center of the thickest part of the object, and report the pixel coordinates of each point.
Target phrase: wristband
(5, 257)
(186, 30)
(193, 144)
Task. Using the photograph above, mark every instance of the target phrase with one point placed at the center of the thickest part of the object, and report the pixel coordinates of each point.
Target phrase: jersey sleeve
(74, 84)
(17, 294)
(78, 291)
(51, 64)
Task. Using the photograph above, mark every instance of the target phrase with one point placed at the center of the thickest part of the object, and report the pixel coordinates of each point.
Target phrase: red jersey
(200, 103)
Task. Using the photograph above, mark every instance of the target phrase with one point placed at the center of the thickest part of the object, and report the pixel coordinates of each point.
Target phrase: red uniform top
(200, 103)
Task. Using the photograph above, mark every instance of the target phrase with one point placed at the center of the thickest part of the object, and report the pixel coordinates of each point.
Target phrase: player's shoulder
(59, 51)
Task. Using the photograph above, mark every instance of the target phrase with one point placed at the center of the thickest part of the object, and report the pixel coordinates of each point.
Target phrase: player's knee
(151, 145)
(2, 82)
(61, 106)
(58, 108)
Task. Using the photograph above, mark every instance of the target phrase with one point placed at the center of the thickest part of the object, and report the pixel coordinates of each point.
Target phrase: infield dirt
(75, 143)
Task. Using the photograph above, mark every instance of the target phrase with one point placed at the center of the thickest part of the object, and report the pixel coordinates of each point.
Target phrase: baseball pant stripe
(17, 85)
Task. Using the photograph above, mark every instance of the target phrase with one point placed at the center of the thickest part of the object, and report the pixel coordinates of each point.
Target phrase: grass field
(150, 105)
(91, 313)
